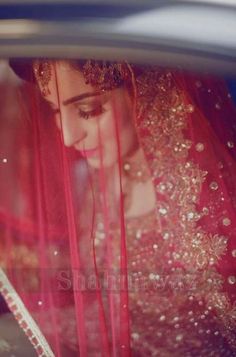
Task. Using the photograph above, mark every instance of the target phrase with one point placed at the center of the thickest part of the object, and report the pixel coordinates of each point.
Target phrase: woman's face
(91, 121)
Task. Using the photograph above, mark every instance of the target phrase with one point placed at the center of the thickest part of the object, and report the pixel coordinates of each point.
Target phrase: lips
(89, 152)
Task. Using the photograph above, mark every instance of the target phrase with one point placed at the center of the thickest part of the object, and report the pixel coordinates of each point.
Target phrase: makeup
(89, 153)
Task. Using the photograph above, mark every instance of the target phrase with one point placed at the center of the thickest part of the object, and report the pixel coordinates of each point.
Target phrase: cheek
(110, 129)
(106, 128)
(112, 125)
(113, 129)
(108, 138)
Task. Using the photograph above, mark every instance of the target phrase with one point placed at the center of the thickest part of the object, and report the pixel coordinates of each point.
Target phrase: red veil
(82, 278)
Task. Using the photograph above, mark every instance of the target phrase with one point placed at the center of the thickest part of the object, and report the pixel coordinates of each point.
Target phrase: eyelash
(92, 113)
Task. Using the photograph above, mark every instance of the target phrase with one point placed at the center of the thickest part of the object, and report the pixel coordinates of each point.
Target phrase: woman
(129, 225)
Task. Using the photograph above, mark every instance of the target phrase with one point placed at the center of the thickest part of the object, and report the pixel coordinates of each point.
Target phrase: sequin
(226, 221)
(163, 211)
(217, 106)
(152, 276)
(199, 147)
(4, 160)
(166, 236)
(161, 187)
(213, 185)
(232, 279)
(190, 108)
(230, 144)
(234, 253)
(190, 216)
(205, 211)
(135, 335)
(179, 337)
(126, 167)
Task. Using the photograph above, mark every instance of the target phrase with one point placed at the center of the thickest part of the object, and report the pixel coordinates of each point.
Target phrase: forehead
(66, 81)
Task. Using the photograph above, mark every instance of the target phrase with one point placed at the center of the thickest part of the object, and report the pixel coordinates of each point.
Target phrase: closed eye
(95, 112)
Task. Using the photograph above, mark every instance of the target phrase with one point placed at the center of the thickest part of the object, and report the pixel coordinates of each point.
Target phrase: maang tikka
(101, 74)
(43, 74)
(105, 75)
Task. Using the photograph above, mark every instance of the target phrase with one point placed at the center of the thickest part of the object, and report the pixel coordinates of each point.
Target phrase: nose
(73, 130)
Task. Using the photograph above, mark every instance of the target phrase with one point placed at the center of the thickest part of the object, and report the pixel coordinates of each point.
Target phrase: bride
(124, 232)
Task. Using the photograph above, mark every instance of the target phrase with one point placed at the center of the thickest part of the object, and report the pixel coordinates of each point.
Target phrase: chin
(97, 163)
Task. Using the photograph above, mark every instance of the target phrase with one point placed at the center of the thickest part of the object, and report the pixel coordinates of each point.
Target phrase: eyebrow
(80, 97)
(74, 99)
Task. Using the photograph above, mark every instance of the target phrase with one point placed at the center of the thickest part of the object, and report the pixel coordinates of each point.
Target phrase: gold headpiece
(105, 75)
(43, 73)
(100, 74)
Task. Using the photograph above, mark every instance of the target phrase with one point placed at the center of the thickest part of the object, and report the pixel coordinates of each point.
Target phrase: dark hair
(23, 68)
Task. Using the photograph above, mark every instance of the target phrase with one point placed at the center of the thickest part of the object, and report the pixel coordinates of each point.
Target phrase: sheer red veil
(80, 281)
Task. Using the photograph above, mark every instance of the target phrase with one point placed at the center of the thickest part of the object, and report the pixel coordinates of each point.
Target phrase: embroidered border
(22, 316)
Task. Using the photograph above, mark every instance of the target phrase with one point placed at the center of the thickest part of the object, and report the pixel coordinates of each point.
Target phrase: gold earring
(43, 74)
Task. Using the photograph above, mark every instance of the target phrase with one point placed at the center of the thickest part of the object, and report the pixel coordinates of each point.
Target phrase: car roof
(198, 34)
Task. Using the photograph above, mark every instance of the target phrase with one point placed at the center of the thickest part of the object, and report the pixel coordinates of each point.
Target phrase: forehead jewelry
(43, 73)
(105, 75)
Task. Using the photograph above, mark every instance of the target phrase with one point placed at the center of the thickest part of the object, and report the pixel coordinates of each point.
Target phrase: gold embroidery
(183, 267)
